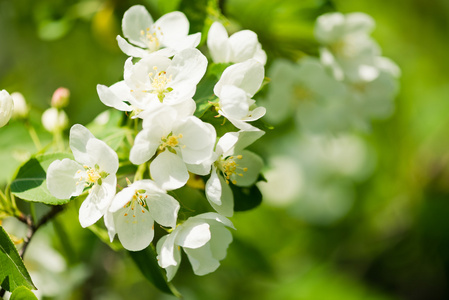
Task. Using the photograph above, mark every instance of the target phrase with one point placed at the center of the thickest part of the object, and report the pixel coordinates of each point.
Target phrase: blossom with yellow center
(133, 211)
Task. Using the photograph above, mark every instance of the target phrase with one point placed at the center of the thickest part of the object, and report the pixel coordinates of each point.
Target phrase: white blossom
(177, 143)
(235, 90)
(6, 107)
(167, 36)
(94, 167)
(232, 164)
(133, 211)
(157, 79)
(239, 47)
(204, 239)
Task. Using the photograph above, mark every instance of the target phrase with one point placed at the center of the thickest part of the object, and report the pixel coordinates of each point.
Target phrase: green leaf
(12, 271)
(22, 293)
(246, 198)
(30, 182)
(147, 263)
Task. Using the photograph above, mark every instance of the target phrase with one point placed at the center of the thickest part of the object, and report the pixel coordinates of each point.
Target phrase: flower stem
(33, 135)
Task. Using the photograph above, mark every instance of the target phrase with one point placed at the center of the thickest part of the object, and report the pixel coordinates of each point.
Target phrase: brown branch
(33, 228)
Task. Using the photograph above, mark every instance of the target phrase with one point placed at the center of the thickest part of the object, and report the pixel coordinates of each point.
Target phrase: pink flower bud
(60, 98)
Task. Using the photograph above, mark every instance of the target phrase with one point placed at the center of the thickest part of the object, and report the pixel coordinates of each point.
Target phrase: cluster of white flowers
(160, 80)
(347, 86)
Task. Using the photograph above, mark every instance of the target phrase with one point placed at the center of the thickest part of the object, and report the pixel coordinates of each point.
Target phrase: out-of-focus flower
(348, 49)
(94, 167)
(204, 239)
(20, 106)
(6, 107)
(239, 47)
(55, 120)
(167, 36)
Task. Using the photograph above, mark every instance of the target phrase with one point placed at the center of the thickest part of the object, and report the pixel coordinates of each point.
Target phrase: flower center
(230, 167)
(151, 38)
(159, 81)
(170, 141)
(91, 175)
(137, 202)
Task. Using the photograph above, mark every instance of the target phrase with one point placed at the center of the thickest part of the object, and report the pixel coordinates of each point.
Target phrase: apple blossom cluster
(172, 144)
(349, 84)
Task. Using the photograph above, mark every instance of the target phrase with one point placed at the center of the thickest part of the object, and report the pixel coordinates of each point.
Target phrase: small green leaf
(22, 293)
(246, 198)
(12, 271)
(146, 261)
(217, 69)
(30, 182)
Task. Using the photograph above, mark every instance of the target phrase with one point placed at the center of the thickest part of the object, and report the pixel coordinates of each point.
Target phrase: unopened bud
(20, 105)
(54, 120)
(60, 98)
(6, 107)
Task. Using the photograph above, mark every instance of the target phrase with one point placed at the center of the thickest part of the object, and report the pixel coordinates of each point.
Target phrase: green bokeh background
(394, 241)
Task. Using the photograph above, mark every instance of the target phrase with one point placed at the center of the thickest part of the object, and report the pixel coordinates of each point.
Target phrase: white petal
(198, 139)
(166, 250)
(255, 114)
(134, 227)
(110, 225)
(214, 217)
(226, 143)
(169, 171)
(253, 163)
(247, 75)
(226, 208)
(136, 19)
(174, 26)
(202, 260)
(243, 45)
(89, 212)
(217, 42)
(129, 49)
(109, 98)
(246, 138)
(233, 102)
(221, 238)
(102, 155)
(61, 180)
(194, 234)
(79, 135)
(188, 66)
(145, 145)
(122, 198)
(213, 188)
(6, 107)
(163, 208)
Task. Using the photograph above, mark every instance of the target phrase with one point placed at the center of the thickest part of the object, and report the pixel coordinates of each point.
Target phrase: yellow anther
(239, 156)
(245, 169)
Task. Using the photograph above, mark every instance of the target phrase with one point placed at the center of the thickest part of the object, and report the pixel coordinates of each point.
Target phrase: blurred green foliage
(393, 242)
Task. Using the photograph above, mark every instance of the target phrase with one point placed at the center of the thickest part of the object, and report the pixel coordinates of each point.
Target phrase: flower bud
(20, 105)
(6, 107)
(55, 120)
(60, 98)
